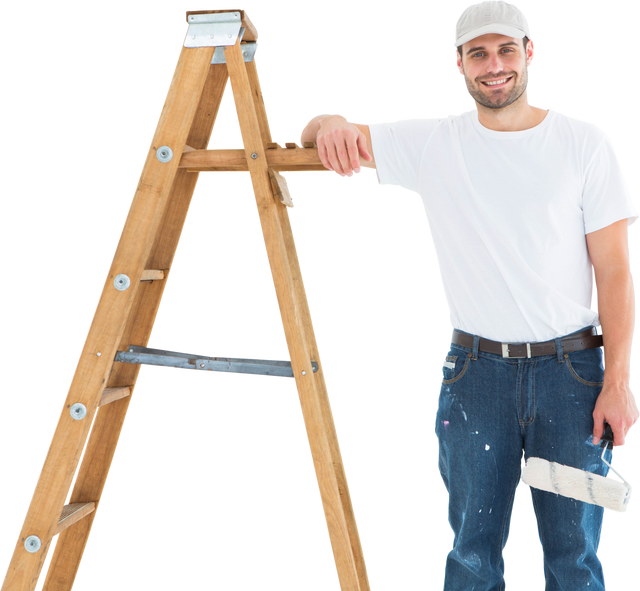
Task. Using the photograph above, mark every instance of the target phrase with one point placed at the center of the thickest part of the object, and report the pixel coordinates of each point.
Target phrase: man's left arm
(609, 252)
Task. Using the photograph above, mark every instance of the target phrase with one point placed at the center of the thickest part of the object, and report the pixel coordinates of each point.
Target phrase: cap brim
(496, 28)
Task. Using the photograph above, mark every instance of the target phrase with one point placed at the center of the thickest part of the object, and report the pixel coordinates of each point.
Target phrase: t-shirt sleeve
(605, 197)
(398, 148)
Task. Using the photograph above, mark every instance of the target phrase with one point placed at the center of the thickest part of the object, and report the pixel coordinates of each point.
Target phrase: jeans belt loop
(507, 354)
(476, 345)
(559, 350)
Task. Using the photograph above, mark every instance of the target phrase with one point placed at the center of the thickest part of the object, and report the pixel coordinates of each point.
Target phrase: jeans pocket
(454, 368)
(586, 366)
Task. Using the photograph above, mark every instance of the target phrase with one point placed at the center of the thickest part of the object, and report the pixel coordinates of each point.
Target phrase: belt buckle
(506, 354)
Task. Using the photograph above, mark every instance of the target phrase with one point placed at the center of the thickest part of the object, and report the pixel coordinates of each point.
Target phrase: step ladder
(219, 45)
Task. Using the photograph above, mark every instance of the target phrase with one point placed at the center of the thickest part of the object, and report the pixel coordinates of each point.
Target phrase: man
(521, 203)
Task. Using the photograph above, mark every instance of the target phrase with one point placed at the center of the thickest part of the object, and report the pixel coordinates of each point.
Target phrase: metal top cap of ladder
(219, 30)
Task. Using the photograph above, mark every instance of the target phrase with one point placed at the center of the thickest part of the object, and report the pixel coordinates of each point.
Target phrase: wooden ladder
(218, 45)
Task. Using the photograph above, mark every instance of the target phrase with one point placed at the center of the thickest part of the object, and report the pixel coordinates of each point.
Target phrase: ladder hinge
(213, 30)
(218, 34)
(249, 52)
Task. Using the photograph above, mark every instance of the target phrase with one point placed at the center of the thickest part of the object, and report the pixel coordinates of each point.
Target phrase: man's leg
(566, 389)
(480, 454)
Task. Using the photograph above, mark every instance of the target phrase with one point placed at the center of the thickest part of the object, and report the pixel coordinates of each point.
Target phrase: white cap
(491, 17)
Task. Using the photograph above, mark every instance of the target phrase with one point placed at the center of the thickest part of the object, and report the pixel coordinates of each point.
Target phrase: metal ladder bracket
(219, 30)
(191, 361)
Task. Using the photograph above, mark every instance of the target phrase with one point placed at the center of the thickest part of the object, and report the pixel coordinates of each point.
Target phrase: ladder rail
(297, 324)
(108, 323)
(109, 421)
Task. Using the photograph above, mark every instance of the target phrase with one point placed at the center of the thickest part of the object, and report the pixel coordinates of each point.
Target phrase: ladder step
(152, 275)
(135, 354)
(113, 394)
(73, 513)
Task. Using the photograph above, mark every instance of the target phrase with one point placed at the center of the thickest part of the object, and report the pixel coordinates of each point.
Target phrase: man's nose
(495, 64)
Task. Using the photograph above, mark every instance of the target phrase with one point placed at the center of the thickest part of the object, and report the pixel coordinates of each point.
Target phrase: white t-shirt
(508, 213)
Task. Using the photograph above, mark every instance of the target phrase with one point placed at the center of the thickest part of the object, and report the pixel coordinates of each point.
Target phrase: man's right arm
(342, 146)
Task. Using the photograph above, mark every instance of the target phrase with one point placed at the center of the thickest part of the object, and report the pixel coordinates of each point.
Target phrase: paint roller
(579, 484)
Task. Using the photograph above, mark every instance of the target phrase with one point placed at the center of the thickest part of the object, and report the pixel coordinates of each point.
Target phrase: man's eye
(474, 55)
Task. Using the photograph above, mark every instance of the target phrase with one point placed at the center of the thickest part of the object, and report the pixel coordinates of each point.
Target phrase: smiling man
(523, 203)
(494, 72)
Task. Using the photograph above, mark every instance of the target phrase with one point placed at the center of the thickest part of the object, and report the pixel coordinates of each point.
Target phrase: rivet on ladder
(78, 411)
(32, 544)
(304, 373)
(121, 282)
(254, 155)
(164, 153)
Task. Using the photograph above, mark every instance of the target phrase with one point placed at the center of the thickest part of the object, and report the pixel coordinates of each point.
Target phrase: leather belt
(586, 339)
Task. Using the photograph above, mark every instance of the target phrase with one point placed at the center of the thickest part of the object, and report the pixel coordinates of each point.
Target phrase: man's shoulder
(572, 121)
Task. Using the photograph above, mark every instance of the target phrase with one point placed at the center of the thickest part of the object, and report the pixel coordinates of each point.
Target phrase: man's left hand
(617, 406)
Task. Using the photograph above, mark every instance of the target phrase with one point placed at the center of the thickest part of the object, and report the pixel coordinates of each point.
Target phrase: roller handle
(607, 437)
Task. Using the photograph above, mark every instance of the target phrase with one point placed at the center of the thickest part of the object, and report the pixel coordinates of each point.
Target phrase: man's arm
(609, 252)
(616, 299)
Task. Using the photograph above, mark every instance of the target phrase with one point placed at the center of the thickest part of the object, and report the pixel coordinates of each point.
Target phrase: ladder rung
(151, 275)
(280, 159)
(73, 513)
(113, 394)
(142, 355)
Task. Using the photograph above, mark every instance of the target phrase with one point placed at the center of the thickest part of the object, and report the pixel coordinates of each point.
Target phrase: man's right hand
(342, 146)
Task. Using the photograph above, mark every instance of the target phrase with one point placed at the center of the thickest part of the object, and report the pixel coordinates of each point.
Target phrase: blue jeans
(492, 409)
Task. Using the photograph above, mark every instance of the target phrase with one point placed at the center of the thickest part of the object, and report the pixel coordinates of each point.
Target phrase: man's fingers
(362, 148)
(322, 154)
(598, 427)
(340, 145)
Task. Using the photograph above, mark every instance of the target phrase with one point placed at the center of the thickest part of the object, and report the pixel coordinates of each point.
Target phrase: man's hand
(617, 406)
(340, 145)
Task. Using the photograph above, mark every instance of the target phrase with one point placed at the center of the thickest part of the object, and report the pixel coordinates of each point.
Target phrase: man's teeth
(497, 82)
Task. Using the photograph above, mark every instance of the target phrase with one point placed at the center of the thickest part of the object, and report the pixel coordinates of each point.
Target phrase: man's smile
(503, 82)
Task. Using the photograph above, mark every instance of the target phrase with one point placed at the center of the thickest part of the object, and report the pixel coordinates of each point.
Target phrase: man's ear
(529, 52)
(530, 61)
(459, 62)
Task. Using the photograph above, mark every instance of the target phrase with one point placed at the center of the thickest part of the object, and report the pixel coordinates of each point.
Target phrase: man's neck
(530, 117)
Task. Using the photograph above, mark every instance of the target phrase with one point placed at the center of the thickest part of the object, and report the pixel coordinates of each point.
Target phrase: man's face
(495, 69)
